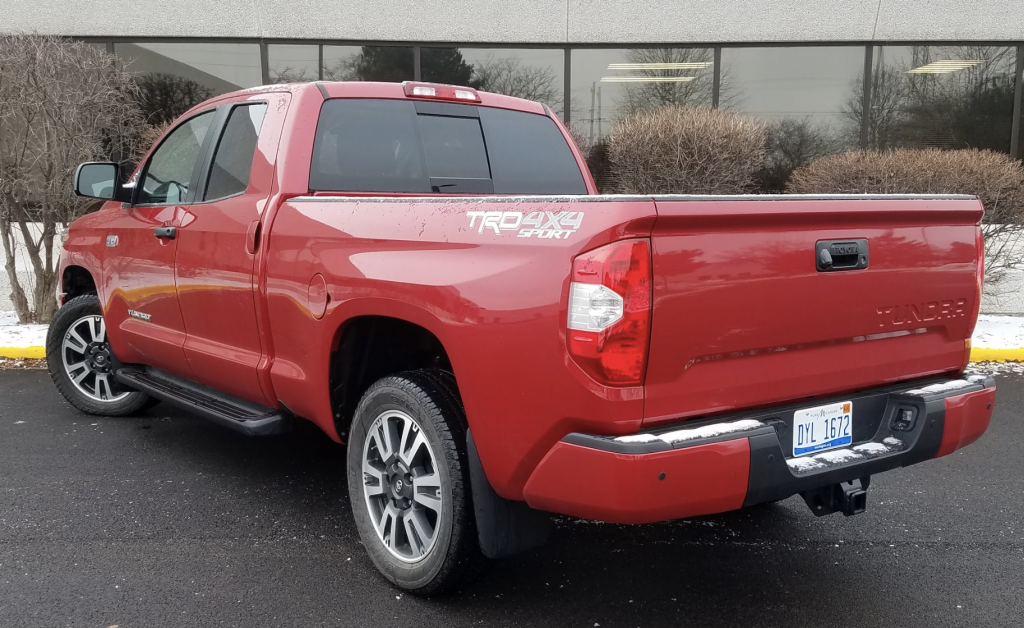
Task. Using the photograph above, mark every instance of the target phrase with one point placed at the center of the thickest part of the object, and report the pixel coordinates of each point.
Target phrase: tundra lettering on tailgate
(540, 224)
(896, 315)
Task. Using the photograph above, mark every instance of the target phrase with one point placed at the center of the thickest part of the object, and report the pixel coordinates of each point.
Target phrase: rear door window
(378, 145)
(232, 160)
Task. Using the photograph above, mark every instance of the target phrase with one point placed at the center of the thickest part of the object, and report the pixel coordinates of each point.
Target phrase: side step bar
(233, 413)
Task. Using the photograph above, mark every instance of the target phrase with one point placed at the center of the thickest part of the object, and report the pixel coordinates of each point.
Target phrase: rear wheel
(409, 484)
(82, 364)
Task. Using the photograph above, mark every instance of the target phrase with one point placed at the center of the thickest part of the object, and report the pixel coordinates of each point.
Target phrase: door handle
(168, 233)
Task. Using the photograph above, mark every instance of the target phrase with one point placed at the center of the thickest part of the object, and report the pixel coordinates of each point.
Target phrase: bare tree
(887, 110)
(163, 97)
(965, 108)
(61, 103)
(290, 74)
(663, 67)
(510, 76)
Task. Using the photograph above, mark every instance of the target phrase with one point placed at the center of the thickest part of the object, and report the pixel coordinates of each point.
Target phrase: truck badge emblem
(142, 316)
(540, 224)
(111, 241)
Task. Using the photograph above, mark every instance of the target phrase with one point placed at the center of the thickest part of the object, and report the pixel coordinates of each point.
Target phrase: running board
(233, 413)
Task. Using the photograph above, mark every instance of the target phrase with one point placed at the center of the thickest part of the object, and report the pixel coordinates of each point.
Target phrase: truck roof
(369, 89)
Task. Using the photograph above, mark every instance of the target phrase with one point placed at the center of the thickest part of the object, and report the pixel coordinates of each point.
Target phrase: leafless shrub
(995, 178)
(61, 103)
(792, 143)
(686, 150)
(150, 135)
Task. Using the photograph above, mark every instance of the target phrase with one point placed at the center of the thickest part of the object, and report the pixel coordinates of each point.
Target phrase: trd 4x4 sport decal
(534, 224)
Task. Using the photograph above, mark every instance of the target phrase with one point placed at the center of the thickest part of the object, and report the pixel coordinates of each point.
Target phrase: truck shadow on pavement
(740, 567)
(243, 529)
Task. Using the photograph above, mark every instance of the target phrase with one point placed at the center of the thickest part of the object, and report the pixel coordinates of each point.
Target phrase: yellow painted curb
(23, 353)
(981, 354)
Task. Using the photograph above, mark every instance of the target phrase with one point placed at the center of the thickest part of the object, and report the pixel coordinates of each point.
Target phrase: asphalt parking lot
(166, 520)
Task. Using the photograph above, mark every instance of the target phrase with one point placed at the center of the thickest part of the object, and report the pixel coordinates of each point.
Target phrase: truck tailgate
(744, 318)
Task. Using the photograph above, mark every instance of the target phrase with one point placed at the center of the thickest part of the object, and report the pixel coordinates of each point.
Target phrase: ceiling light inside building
(945, 66)
(660, 66)
(646, 79)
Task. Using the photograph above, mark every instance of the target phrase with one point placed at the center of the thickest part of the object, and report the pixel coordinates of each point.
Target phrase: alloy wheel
(88, 360)
(402, 485)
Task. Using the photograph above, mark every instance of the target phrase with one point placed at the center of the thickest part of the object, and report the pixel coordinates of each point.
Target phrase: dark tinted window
(233, 159)
(454, 147)
(367, 145)
(529, 155)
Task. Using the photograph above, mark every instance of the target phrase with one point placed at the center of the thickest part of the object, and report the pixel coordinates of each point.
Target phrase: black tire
(431, 399)
(122, 402)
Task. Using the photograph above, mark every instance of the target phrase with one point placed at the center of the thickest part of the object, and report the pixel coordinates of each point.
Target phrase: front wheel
(81, 363)
(409, 485)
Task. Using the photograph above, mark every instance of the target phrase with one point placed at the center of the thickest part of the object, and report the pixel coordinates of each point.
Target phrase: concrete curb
(978, 354)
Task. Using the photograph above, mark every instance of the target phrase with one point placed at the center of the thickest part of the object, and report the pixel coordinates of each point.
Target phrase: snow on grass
(706, 431)
(20, 336)
(999, 332)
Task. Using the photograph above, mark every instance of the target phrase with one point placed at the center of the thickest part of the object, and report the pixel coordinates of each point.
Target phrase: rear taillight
(440, 92)
(610, 312)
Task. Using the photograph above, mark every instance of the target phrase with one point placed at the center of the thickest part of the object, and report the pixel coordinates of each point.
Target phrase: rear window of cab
(404, 146)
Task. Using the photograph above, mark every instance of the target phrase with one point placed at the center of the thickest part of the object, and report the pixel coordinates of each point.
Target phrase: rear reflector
(610, 312)
(440, 92)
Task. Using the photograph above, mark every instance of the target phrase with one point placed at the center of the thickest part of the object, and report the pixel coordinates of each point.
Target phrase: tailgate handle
(835, 255)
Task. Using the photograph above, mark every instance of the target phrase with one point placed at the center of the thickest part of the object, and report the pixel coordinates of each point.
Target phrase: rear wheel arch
(368, 348)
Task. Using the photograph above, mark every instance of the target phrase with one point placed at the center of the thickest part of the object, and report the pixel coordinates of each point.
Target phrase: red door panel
(215, 258)
(139, 276)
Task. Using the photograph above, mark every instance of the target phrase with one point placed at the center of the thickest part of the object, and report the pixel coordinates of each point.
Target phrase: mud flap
(504, 527)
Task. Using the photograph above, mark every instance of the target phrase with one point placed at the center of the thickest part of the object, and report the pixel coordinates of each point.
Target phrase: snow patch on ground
(999, 368)
(20, 336)
(999, 332)
(706, 431)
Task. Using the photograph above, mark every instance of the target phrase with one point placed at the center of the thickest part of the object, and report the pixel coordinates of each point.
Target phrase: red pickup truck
(428, 274)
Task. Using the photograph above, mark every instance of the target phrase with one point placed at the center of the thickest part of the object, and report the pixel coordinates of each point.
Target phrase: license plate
(821, 428)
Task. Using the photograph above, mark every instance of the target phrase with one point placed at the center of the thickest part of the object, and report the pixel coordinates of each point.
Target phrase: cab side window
(169, 172)
(232, 162)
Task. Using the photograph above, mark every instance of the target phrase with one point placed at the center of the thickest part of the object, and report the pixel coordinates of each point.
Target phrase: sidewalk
(996, 339)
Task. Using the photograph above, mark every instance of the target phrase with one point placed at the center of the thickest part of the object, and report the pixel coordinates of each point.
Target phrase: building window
(369, 63)
(175, 77)
(608, 84)
(534, 74)
(810, 98)
(293, 64)
(942, 97)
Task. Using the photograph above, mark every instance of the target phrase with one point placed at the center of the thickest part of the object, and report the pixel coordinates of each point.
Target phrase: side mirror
(99, 179)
